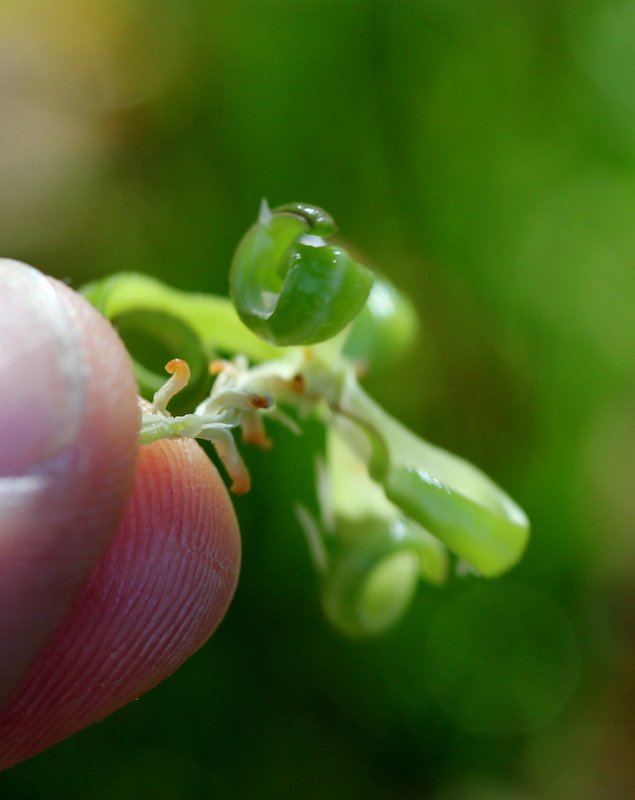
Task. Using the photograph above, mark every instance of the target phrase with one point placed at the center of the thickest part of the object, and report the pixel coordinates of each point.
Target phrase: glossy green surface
(446, 495)
(295, 291)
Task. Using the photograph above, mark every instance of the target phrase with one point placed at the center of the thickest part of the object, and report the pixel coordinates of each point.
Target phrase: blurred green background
(482, 155)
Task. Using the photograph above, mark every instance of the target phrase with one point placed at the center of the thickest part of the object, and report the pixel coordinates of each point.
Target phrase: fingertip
(69, 427)
(154, 598)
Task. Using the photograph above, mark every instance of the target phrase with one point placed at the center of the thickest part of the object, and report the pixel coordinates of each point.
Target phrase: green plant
(304, 314)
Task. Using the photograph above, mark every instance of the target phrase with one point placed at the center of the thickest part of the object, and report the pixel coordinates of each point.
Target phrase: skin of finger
(153, 599)
(48, 550)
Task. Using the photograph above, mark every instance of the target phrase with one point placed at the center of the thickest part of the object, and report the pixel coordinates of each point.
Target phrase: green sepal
(446, 495)
(151, 337)
(368, 556)
(158, 322)
(384, 330)
(212, 318)
(372, 573)
(292, 290)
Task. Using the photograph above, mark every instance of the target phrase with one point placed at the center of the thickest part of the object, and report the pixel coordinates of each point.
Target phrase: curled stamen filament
(253, 429)
(227, 451)
(179, 377)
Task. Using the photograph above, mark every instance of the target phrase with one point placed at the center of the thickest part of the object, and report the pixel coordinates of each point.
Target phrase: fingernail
(42, 367)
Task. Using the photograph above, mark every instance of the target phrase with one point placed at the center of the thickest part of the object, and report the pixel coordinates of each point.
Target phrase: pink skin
(116, 564)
